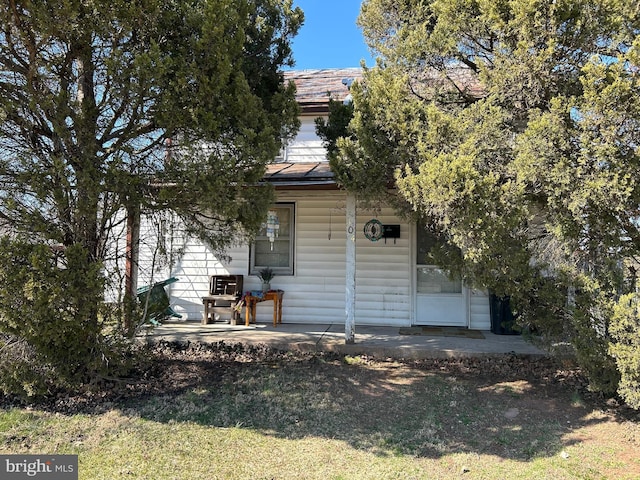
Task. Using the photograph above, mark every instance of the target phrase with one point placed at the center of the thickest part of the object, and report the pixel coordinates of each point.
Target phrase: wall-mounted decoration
(273, 226)
(373, 230)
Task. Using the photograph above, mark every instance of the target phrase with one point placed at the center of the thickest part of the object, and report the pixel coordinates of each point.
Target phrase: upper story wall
(314, 89)
(306, 147)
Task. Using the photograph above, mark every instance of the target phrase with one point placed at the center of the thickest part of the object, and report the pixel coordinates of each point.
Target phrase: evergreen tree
(513, 128)
(154, 104)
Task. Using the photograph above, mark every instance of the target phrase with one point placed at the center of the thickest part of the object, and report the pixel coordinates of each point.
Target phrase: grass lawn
(226, 412)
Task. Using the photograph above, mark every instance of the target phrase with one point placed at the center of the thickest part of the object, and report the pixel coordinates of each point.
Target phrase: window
(432, 279)
(273, 246)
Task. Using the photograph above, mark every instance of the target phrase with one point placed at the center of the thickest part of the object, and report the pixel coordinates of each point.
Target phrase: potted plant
(266, 274)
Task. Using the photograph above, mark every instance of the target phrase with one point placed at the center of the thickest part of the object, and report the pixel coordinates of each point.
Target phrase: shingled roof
(314, 88)
(300, 175)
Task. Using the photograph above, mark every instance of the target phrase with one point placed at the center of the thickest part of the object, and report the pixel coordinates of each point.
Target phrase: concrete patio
(380, 342)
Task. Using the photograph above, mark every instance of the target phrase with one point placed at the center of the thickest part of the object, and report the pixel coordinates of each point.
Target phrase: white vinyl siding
(307, 146)
(318, 288)
(479, 314)
(315, 294)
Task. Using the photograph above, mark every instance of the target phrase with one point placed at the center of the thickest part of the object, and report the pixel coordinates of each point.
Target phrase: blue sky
(329, 37)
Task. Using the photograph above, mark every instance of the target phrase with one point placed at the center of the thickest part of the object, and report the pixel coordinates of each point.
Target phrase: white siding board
(479, 315)
(382, 261)
(315, 294)
(383, 296)
(193, 270)
(307, 146)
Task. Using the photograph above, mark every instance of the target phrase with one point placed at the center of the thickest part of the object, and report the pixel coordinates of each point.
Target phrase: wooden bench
(225, 291)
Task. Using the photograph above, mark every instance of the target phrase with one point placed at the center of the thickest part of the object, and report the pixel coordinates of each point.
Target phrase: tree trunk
(86, 165)
(131, 268)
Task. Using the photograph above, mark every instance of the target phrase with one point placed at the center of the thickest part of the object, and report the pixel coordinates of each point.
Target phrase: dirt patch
(174, 367)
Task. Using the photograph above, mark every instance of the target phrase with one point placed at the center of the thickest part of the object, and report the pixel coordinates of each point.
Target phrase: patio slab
(375, 341)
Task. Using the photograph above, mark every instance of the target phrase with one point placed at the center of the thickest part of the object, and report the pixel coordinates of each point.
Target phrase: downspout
(350, 303)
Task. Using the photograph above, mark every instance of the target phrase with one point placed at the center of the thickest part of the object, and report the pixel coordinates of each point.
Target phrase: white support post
(350, 306)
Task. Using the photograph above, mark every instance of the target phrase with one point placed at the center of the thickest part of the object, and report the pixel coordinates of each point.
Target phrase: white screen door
(440, 300)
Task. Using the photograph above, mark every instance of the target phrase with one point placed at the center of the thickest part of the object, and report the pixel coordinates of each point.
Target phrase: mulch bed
(176, 367)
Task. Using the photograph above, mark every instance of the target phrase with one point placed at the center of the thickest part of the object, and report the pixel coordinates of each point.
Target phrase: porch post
(350, 299)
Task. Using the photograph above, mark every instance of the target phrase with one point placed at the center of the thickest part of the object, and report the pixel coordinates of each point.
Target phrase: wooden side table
(252, 301)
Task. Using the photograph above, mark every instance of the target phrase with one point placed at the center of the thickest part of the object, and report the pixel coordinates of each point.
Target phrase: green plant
(53, 329)
(625, 347)
(502, 175)
(266, 274)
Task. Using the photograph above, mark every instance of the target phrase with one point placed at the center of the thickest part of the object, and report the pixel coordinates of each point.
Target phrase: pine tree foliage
(160, 104)
(512, 127)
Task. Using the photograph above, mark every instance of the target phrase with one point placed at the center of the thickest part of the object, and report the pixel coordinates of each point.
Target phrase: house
(306, 244)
